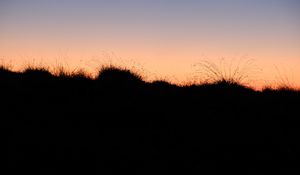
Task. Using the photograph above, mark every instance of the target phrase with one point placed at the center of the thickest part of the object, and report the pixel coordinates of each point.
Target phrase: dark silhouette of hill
(119, 124)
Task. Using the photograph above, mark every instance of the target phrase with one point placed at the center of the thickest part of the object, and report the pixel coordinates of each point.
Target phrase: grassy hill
(117, 123)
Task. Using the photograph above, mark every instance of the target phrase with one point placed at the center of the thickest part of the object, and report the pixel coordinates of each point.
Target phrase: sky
(162, 38)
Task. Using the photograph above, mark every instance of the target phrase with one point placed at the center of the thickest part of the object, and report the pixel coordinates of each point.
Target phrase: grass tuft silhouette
(117, 76)
(226, 72)
(37, 72)
(5, 71)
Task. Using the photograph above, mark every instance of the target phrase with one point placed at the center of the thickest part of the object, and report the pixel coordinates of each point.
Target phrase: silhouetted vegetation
(116, 123)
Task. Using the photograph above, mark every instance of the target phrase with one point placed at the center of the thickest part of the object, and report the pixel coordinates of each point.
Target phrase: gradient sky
(163, 37)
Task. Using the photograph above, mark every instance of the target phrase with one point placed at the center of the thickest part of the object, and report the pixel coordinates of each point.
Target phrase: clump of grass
(81, 74)
(65, 73)
(283, 81)
(5, 67)
(61, 71)
(282, 88)
(6, 73)
(163, 84)
(113, 74)
(37, 71)
(239, 72)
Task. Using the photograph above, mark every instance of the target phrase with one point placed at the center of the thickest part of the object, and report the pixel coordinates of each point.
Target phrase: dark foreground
(118, 124)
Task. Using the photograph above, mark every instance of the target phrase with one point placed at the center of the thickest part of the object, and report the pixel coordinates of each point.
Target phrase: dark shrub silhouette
(37, 73)
(162, 83)
(113, 76)
(119, 124)
(5, 71)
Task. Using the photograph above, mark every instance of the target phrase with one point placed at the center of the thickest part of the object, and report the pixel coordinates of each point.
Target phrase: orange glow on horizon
(161, 39)
(171, 67)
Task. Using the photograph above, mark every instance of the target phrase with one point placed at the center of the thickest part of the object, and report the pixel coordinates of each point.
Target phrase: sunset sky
(165, 38)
